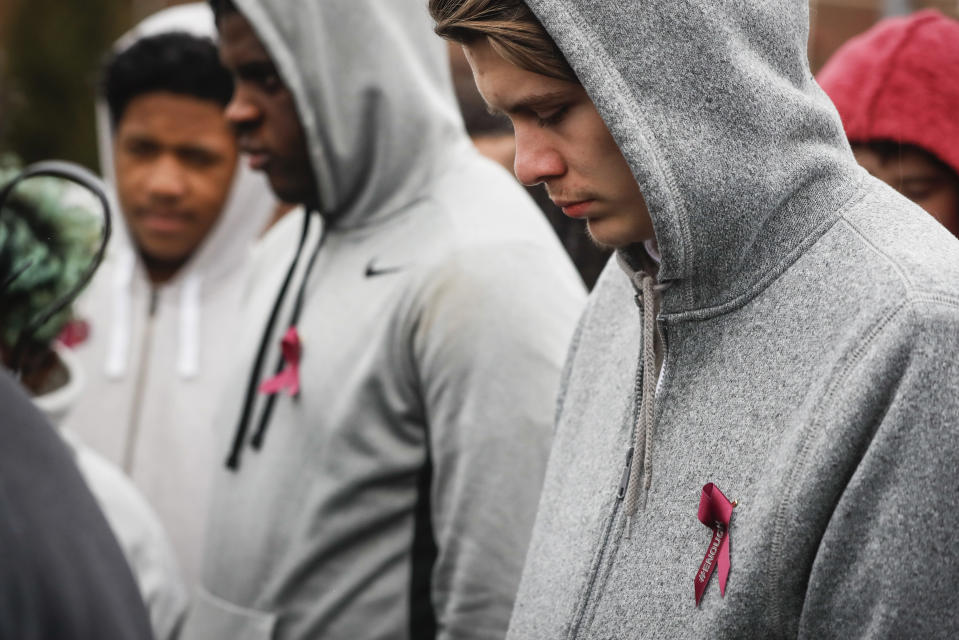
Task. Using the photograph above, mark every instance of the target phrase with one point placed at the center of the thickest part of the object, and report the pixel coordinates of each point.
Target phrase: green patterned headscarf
(48, 230)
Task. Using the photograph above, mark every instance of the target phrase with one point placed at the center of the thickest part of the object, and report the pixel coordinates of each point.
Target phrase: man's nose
(537, 159)
(166, 179)
(242, 112)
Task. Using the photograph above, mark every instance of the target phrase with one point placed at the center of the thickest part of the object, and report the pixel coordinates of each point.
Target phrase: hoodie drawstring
(118, 348)
(233, 461)
(260, 433)
(643, 430)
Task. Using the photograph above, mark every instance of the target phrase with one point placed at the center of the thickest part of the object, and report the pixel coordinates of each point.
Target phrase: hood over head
(248, 208)
(739, 154)
(374, 94)
(899, 82)
(250, 203)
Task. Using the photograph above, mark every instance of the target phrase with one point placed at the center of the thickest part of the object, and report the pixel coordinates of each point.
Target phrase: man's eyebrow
(527, 102)
(194, 147)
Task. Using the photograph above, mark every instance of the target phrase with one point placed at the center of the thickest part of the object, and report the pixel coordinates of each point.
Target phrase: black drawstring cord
(233, 462)
(260, 433)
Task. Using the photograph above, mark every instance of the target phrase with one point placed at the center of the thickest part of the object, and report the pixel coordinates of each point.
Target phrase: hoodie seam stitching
(814, 427)
(809, 241)
(903, 276)
(911, 294)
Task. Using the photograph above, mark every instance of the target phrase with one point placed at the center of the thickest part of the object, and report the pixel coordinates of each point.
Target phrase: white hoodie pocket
(212, 617)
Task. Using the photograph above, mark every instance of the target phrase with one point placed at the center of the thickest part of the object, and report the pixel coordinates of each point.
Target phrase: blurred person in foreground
(163, 306)
(63, 574)
(896, 87)
(49, 243)
(390, 416)
(758, 430)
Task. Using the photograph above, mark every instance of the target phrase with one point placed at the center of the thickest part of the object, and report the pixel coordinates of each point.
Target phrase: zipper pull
(624, 482)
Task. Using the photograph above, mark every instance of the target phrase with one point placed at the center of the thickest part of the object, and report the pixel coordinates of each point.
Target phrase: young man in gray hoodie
(387, 429)
(780, 459)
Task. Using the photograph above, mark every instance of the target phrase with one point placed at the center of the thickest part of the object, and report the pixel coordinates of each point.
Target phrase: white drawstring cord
(118, 348)
(188, 360)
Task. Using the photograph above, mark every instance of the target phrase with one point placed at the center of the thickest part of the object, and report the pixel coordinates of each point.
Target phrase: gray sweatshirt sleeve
(887, 564)
(492, 336)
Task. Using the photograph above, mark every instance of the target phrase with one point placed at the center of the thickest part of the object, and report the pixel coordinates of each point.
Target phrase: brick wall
(948, 7)
(832, 22)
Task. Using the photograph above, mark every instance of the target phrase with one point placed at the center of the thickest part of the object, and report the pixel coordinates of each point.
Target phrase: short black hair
(174, 62)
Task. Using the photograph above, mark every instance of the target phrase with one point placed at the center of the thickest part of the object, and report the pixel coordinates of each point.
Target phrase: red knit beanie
(899, 81)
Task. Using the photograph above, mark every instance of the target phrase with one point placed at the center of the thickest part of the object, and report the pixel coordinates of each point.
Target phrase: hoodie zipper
(624, 482)
(606, 556)
(601, 560)
(136, 413)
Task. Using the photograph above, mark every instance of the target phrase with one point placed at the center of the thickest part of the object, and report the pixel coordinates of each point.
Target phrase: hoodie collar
(381, 119)
(739, 155)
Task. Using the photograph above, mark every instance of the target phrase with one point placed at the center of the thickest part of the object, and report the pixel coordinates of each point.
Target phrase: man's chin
(601, 245)
(292, 194)
(602, 239)
(164, 258)
(607, 234)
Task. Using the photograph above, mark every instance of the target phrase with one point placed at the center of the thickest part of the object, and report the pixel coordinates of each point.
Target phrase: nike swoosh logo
(372, 270)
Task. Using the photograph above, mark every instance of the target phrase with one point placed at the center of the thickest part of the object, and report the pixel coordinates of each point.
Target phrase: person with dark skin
(161, 308)
(391, 413)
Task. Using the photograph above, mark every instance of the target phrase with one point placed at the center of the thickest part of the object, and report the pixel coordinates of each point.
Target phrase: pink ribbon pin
(74, 333)
(715, 511)
(289, 377)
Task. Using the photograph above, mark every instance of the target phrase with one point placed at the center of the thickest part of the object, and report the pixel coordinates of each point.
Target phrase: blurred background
(50, 50)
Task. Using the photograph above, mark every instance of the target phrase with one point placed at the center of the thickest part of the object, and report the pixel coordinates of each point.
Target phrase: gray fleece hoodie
(394, 496)
(809, 333)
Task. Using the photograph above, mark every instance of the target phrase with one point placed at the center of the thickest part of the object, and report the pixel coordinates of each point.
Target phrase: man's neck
(643, 256)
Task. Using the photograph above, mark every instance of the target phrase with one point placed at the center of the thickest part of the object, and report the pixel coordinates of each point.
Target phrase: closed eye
(552, 118)
(919, 188)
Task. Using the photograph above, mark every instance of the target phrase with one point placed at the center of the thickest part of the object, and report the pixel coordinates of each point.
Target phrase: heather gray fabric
(400, 486)
(811, 357)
